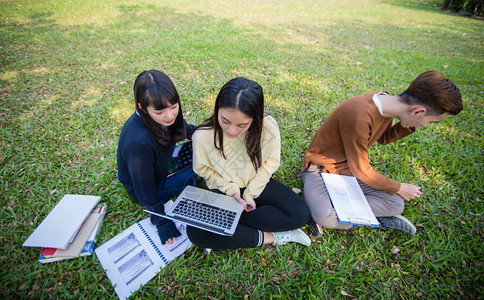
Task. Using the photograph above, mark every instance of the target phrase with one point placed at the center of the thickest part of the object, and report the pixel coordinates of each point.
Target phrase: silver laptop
(206, 210)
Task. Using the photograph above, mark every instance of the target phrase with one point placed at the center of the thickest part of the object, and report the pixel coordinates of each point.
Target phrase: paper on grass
(63, 222)
(135, 256)
(348, 200)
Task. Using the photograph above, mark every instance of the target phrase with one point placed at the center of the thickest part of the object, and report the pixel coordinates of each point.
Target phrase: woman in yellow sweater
(236, 151)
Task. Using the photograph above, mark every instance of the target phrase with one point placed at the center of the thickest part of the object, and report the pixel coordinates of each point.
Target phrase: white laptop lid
(205, 196)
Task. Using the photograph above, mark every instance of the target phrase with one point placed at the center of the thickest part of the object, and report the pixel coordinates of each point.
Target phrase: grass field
(66, 74)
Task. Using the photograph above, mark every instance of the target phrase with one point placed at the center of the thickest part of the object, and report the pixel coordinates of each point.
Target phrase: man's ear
(418, 110)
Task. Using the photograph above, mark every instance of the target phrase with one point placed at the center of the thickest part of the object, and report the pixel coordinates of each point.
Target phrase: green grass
(66, 74)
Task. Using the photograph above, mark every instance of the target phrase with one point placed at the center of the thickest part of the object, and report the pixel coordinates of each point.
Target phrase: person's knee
(399, 206)
(302, 214)
(197, 237)
(325, 219)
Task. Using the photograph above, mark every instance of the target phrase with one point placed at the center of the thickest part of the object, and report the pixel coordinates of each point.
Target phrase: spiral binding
(157, 250)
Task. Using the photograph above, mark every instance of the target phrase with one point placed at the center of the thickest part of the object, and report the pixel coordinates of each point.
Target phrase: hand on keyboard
(238, 198)
(247, 207)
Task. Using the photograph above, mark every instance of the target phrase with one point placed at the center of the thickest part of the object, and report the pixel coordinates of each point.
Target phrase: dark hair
(155, 88)
(248, 97)
(434, 91)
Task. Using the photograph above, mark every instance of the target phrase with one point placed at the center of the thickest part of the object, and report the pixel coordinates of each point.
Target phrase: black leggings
(278, 208)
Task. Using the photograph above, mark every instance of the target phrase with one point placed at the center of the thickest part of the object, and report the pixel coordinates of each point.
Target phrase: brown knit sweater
(342, 142)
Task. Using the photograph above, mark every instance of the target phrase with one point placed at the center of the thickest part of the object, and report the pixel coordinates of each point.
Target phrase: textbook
(48, 255)
(348, 200)
(136, 255)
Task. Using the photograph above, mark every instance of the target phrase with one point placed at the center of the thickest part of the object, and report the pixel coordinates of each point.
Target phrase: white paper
(135, 256)
(348, 200)
(63, 222)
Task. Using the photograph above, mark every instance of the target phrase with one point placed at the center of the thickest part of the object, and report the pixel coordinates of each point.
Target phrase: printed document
(348, 200)
(136, 255)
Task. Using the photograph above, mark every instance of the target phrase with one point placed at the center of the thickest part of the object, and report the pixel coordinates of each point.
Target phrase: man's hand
(409, 191)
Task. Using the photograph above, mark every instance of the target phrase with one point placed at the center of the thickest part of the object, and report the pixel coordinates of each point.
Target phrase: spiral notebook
(135, 256)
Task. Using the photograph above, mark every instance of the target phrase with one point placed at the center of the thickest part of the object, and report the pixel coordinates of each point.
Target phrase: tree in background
(473, 7)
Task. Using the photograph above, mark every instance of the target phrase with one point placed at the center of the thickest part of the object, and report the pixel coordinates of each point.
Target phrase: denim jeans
(173, 186)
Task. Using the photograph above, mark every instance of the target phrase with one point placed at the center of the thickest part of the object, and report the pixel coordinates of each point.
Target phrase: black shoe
(315, 229)
(354, 227)
(398, 223)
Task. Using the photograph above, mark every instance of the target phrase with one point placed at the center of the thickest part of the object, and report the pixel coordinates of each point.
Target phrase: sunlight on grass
(9, 75)
(121, 114)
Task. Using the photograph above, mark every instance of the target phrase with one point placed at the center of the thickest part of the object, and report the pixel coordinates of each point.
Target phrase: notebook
(135, 256)
(61, 225)
(206, 210)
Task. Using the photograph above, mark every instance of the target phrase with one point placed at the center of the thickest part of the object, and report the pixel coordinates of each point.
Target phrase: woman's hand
(171, 241)
(250, 207)
(247, 207)
(238, 198)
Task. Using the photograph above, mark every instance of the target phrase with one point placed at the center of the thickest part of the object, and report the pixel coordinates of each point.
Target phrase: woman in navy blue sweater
(146, 145)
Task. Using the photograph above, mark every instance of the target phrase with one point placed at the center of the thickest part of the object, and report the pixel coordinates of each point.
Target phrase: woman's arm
(271, 155)
(202, 164)
(140, 161)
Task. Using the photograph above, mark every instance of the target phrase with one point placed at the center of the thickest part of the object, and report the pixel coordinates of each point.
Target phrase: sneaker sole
(414, 229)
(402, 219)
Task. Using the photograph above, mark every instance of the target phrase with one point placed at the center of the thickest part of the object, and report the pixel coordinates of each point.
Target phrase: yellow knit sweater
(236, 171)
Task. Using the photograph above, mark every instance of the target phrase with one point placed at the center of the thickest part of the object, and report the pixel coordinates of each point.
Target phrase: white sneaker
(297, 236)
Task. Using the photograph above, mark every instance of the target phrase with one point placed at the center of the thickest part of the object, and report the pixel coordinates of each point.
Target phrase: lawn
(66, 75)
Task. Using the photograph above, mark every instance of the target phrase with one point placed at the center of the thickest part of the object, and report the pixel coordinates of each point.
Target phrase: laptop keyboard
(205, 213)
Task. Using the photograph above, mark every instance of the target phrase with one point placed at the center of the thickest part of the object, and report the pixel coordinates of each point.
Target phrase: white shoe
(297, 236)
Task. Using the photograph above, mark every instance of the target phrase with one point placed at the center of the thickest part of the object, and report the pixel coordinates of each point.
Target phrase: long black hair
(247, 96)
(155, 88)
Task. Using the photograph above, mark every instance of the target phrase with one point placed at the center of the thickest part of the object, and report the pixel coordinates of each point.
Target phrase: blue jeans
(174, 184)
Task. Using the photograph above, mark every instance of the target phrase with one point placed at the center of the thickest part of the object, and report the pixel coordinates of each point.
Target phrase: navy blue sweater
(143, 164)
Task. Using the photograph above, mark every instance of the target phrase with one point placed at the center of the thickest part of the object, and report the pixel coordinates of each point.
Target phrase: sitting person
(342, 143)
(146, 146)
(236, 151)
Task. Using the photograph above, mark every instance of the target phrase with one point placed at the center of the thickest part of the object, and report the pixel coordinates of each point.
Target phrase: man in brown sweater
(342, 143)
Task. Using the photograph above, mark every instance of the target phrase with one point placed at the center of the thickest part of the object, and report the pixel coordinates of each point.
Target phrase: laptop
(206, 210)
